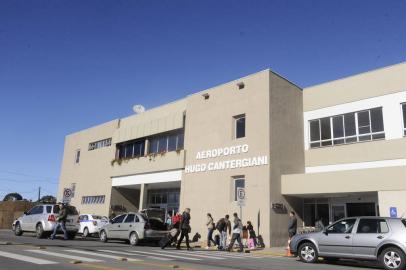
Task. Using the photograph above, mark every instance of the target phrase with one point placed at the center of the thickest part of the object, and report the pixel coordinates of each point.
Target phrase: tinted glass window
(404, 117)
(370, 225)
(180, 141)
(376, 120)
(172, 142)
(240, 127)
(71, 210)
(129, 218)
(162, 144)
(49, 209)
(38, 210)
(338, 126)
(343, 226)
(153, 146)
(119, 219)
(325, 129)
(364, 124)
(314, 130)
(349, 124)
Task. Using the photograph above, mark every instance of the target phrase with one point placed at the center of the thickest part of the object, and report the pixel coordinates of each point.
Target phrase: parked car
(133, 227)
(363, 238)
(91, 224)
(41, 219)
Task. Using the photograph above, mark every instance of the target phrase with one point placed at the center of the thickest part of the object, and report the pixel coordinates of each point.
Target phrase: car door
(369, 234)
(31, 218)
(127, 226)
(336, 240)
(26, 220)
(115, 226)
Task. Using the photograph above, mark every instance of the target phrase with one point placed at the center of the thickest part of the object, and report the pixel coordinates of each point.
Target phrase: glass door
(338, 211)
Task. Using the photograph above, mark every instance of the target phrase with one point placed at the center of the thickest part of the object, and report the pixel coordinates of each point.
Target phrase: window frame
(236, 118)
(403, 112)
(77, 156)
(334, 141)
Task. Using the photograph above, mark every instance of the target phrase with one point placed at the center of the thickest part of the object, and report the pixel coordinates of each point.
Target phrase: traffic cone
(288, 254)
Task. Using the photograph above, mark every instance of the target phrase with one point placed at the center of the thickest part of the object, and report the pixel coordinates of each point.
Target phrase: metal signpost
(67, 195)
(241, 199)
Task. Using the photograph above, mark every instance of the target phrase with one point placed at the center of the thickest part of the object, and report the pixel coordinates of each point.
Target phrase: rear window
(97, 217)
(70, 209)
(49, 209)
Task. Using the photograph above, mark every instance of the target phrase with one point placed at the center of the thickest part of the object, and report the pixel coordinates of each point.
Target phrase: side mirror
(325, 231)
(25, 213)
(111, 221)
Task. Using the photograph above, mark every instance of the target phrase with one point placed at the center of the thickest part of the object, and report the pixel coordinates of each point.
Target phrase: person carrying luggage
(185, 229)
(237, 229)
(210, 229)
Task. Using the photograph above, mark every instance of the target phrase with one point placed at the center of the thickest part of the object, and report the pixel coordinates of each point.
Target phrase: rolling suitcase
(260, 241)
(165, 241)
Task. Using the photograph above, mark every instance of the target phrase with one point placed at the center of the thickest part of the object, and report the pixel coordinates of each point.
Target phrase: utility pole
(39, 193)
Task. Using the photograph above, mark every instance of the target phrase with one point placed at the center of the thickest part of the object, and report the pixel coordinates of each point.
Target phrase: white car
(41, 219)
(91, 224)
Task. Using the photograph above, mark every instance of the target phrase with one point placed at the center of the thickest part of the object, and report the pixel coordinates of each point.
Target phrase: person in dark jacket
(63, 214)
(292, 225)
(251, 232)
(185, 229)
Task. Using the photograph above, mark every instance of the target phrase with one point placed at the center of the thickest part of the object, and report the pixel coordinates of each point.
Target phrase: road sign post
(67, 195)
(241, 199)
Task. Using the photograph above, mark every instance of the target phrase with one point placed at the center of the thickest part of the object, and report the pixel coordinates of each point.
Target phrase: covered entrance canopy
(152, 190)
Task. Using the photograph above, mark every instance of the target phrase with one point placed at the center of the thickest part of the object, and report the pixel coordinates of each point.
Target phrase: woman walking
(210, 229)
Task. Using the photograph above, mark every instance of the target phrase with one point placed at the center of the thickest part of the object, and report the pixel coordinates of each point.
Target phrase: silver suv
(364, 238)
(41, 219)
(133, 227)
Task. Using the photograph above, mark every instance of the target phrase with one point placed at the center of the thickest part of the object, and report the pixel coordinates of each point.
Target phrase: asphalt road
(28, 252)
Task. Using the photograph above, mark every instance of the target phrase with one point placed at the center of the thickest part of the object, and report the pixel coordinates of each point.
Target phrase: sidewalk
(272, 251)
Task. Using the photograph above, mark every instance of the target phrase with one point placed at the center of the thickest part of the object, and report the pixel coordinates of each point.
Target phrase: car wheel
(103, 236)
(392, 258)
(308, 252)
(39, 231)
(133, 239)
(85, 232)
(18, 231)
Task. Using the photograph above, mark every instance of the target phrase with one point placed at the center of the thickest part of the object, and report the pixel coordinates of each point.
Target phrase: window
(77, 156)
(131, 149)
(118, 219)
(372, 225)
(36, 210)
(130, 218)
(166, 142)
(99, 144)
(404, 118)
(239, 124)
(343, 226)
(239, 182)
(93, 199)
(49, 209)
(83, 218)
(347, 128)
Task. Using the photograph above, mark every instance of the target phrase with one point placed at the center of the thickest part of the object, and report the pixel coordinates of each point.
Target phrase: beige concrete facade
(274, 157)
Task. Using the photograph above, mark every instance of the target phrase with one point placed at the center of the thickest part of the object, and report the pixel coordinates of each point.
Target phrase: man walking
(221, 226)
(63, 214)
(237, 229)
(185, 229)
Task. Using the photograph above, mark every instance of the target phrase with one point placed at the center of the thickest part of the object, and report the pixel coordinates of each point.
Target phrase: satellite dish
(138, 109)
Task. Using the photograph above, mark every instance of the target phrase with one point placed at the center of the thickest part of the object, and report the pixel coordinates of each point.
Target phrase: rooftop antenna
(138, 108)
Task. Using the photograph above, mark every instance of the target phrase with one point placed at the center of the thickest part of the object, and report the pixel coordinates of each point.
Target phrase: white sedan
(91, 224)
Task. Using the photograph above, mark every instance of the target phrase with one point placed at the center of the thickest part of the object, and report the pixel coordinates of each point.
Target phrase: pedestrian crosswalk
(61, 255)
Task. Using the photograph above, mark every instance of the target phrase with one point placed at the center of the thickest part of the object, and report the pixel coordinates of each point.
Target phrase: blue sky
(69, 65)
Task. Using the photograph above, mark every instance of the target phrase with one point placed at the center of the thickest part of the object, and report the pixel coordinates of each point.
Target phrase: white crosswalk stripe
(100, 255)
(165, 255)
(25, 258)
(62, 255)
(131, 254)
(193, 254)
(221, 254)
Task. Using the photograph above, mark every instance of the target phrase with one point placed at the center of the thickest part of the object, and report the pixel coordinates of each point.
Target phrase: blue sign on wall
(393, 212)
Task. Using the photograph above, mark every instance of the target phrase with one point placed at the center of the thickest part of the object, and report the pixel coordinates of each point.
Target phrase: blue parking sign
(393, 212)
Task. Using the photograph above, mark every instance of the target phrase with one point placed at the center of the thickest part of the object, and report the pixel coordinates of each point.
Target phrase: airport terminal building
(332, 150)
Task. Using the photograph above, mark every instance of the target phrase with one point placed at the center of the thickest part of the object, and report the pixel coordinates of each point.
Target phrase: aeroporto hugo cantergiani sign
(225, 164)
